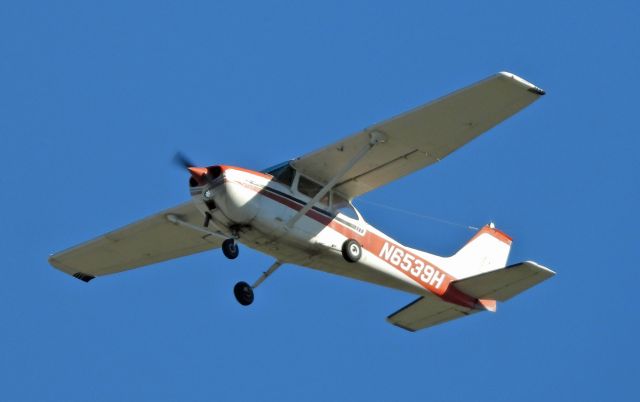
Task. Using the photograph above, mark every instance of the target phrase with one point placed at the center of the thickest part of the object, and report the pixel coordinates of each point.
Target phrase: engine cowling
(232, 195)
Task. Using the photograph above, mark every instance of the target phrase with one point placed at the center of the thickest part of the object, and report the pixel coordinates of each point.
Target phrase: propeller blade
(180, 159)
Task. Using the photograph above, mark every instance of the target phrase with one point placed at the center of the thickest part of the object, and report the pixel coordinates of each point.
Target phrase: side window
(341, 205)
(308, 187)
(283, 175)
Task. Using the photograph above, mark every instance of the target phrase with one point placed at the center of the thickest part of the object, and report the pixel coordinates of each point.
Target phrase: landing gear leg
(244, 292)
(207, 219)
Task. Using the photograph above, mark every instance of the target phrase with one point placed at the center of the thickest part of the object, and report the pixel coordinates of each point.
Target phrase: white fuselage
(256, 208)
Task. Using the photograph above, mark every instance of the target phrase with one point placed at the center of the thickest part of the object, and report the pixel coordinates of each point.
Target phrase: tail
(482, 271)
(482, 275)
(487, 250)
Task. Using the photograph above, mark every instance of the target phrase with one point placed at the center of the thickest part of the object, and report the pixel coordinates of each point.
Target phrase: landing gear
(244, 293)
(351, 250)
(230, 249)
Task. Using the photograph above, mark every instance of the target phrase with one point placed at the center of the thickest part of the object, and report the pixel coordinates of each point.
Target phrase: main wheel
(351, 250)
(230, 249)
(244, 293)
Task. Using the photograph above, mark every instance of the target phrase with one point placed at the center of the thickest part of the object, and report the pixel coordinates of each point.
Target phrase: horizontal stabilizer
(502, 284)
(426, 312)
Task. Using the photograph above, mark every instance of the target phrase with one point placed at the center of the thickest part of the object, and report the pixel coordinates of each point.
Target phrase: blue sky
(96, 97)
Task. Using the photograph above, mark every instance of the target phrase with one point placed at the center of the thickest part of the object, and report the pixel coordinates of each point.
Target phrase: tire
(351, 250)
(230, 249)
(243, 293)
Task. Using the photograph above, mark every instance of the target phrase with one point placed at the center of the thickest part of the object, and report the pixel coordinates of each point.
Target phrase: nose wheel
(244, 293)
(230, 249)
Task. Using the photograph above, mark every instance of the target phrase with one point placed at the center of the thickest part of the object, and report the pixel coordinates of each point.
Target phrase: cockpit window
(282, 173)
(308, 187)
(311, 189)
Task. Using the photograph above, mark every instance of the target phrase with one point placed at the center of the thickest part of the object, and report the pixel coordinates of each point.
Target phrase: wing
(145, 242)
(422, 136)
(426, 312)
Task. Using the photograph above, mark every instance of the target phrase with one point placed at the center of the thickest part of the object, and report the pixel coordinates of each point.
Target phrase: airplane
(300, 212)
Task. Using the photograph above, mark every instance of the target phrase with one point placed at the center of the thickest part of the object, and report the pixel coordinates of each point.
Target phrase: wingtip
(396, 324)
(530, 87)
(83, 277)
(53, 261)
(537, 91)
(549, 271)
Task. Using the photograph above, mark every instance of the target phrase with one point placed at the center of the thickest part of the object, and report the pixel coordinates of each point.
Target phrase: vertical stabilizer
(487, 250)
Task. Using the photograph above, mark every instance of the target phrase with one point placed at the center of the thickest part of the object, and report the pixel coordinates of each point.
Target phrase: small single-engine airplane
(300, 212)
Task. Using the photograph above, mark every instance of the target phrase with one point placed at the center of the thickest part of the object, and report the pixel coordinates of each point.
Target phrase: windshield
(282, 173)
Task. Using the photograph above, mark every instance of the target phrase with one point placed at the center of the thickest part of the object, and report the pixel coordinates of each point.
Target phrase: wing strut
(177, 221)
(375, 138)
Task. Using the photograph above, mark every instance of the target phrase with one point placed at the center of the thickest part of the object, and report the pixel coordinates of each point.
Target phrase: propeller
(199, 175)
(182, 160)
